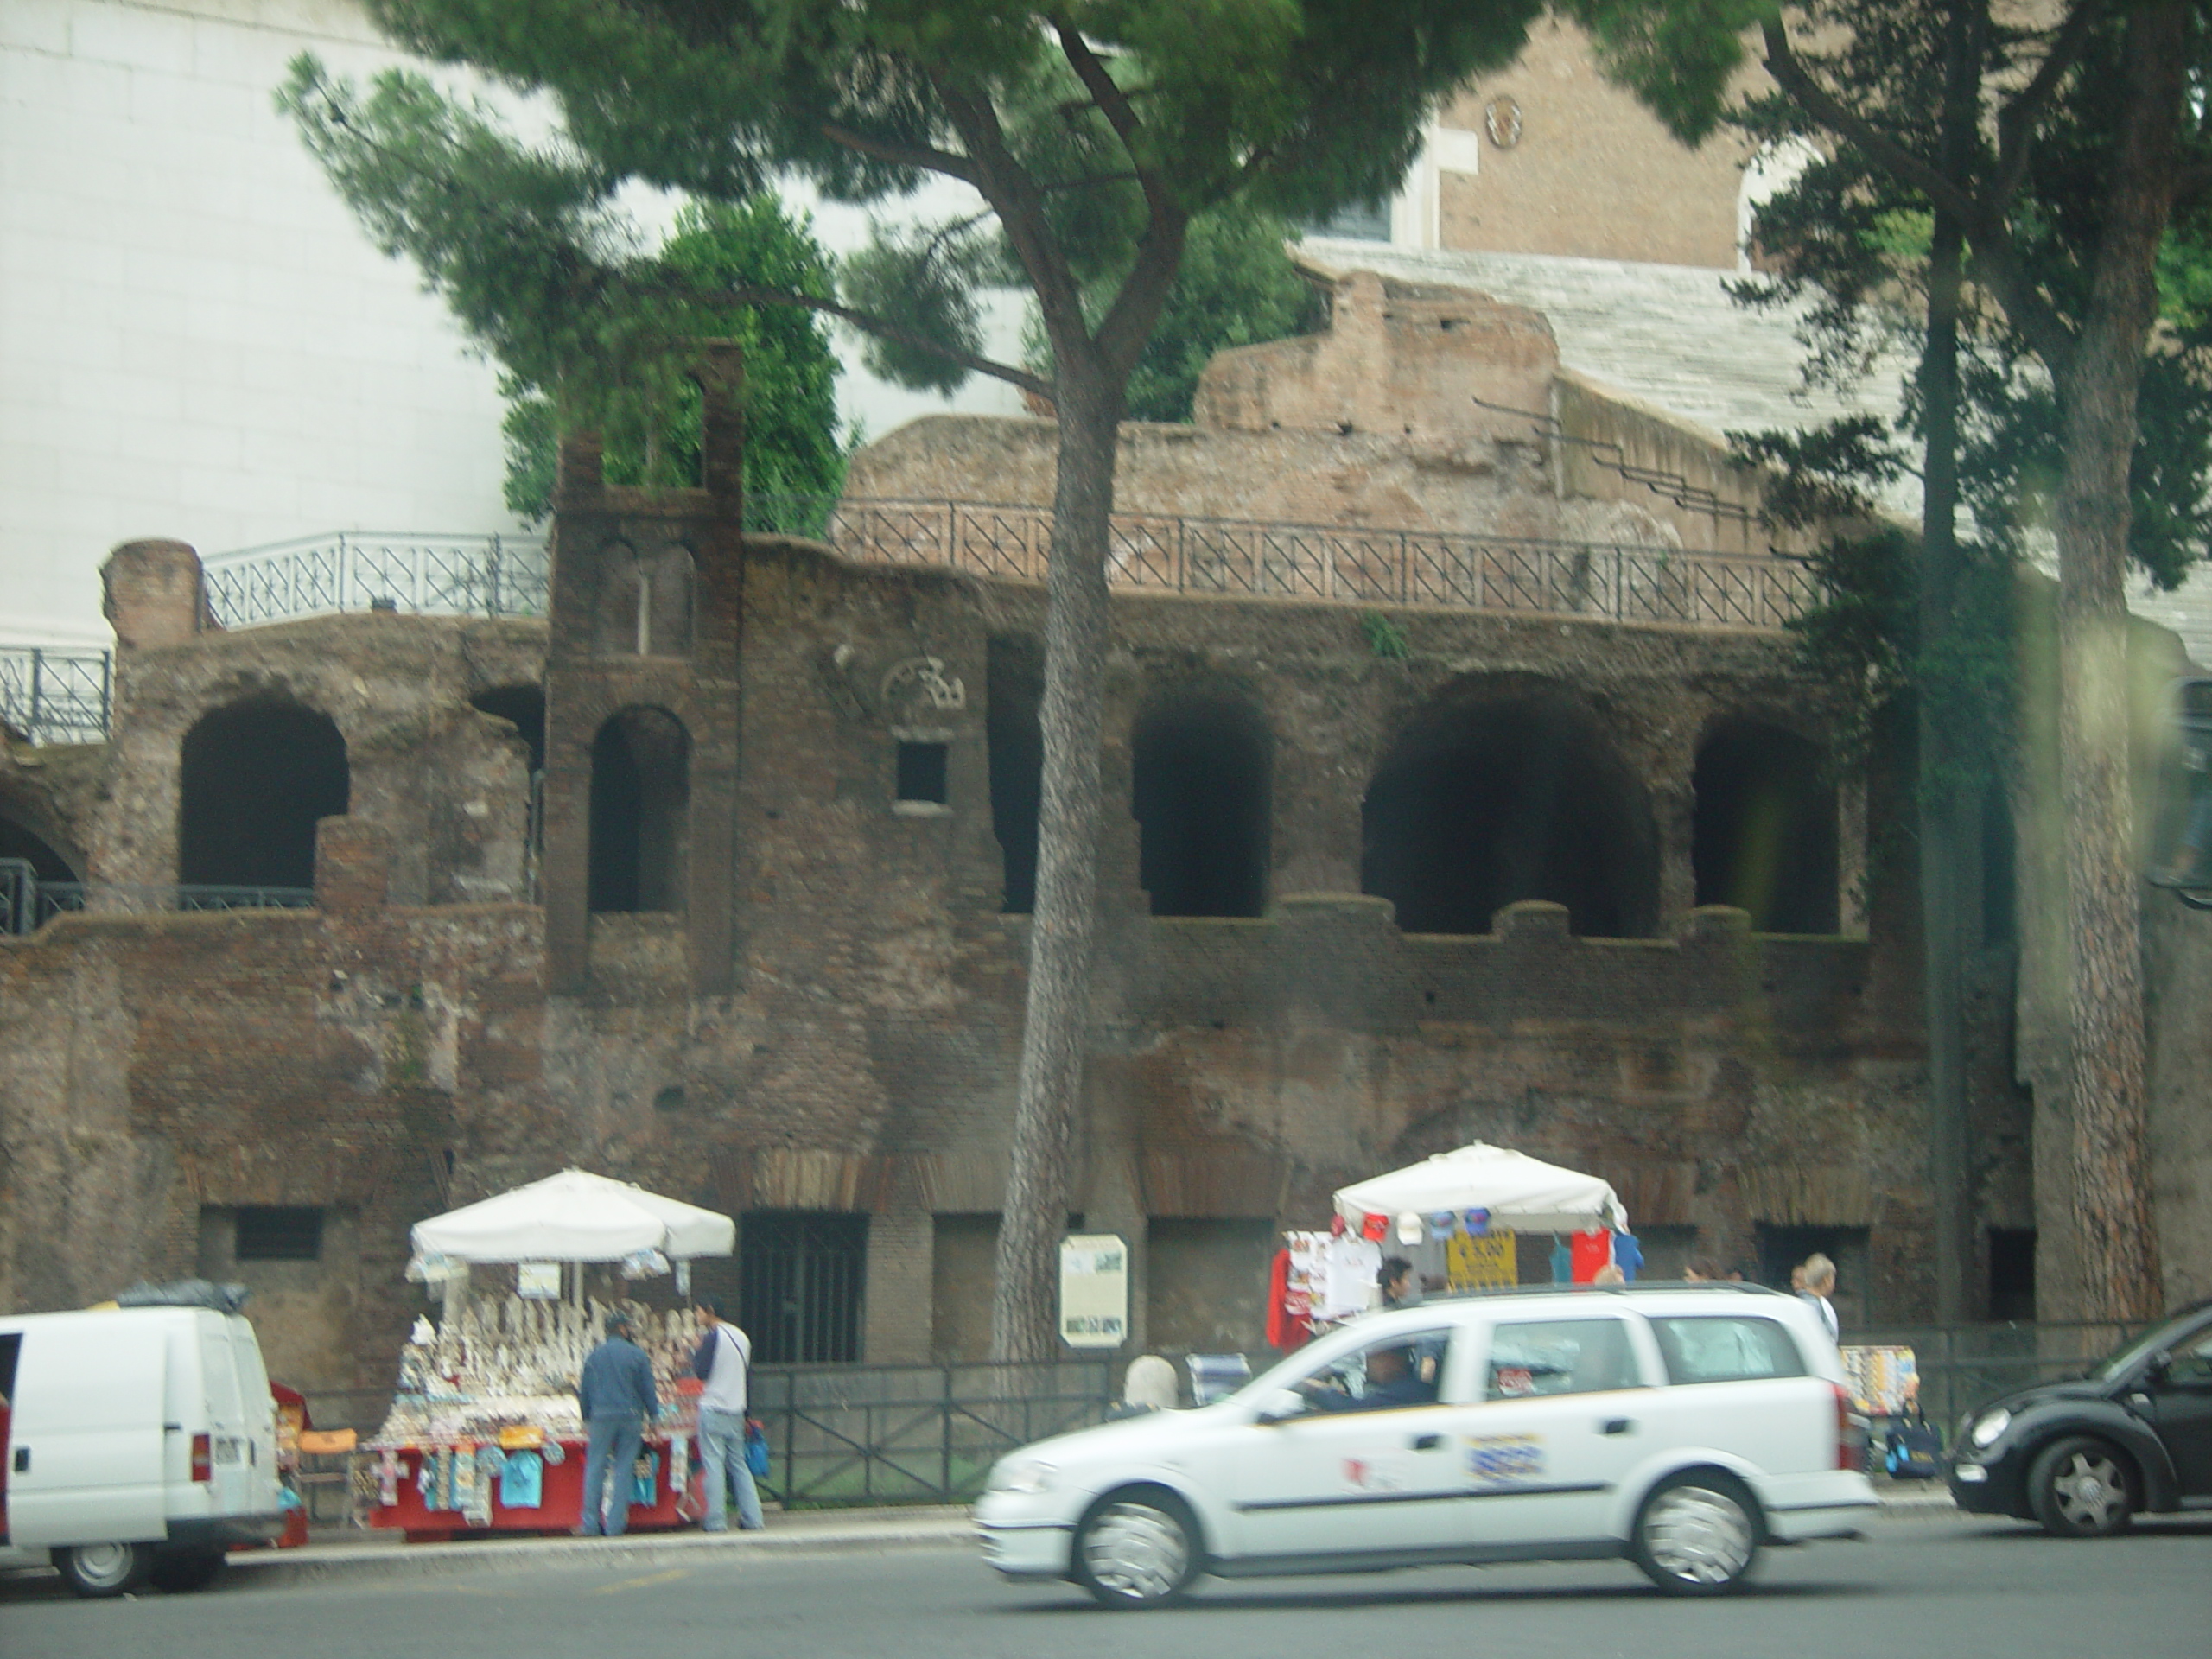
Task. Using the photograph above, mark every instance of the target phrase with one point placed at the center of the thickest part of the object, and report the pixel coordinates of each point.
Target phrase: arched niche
(1765, 838)
(1202, 772)
(644, 602)
(1499, 792)
(19, 840)
(255, 778)
(640, 812)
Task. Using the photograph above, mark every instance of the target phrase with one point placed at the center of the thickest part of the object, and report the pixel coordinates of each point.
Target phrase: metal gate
(799, 1280)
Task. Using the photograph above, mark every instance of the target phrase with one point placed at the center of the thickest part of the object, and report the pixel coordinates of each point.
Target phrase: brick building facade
(1595, 889)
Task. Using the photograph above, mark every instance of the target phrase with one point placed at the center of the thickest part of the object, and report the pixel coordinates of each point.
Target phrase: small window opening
(278, 1233)
(922, 772)
(2012, 1273)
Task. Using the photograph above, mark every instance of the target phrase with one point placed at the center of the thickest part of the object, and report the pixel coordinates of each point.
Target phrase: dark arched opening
(1765, 838)
(257, 777)
(47, 862)
(1199, 790)
(1014, 690)
(524, 708)
(640, 801)
(1495, 796)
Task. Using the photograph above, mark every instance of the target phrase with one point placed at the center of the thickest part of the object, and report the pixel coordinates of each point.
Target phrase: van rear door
(85, 1441)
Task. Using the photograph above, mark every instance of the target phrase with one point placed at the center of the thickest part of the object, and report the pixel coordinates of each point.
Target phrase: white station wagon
(1682, 1426)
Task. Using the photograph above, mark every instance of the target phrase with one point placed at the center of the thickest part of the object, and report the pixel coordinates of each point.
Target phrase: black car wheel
(2082, 1488)
(1137, 1549)
(178, 1574)
(1697, 1535)
(97, 1570)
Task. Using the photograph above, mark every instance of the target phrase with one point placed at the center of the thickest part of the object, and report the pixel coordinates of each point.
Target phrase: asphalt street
(1919, 1586)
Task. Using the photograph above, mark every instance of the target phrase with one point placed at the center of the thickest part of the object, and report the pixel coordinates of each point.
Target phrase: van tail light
(1850, 1432)
(203, 1456)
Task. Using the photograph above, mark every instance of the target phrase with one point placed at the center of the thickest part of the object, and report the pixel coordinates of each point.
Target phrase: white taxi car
(1682, 1426)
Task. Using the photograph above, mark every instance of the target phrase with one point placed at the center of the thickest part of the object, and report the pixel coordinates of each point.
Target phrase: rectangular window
(1551, 1356)
(278, 1233)
(922, 772)
(1729, 1349)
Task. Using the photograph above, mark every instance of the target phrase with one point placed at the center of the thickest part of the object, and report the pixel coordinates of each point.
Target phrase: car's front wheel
(104, 1569)
(1697, 1535)
(2081, 1488)
(1137, 1549)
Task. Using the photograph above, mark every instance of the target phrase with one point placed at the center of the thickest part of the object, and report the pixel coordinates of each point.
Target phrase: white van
(136, 1445)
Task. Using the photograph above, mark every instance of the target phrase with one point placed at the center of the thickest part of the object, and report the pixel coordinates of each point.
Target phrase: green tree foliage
(1094, 133)
(1238, 286)
(791, 371)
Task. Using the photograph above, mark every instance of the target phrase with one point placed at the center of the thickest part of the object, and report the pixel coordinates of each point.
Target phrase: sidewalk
(356, 1555)
(361, 1556)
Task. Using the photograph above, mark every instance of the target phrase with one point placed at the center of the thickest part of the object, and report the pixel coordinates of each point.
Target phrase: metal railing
(1248, 558)
(56, 697)
(492, 575)
(362, 571)
(1960, 1366)
(27, 904)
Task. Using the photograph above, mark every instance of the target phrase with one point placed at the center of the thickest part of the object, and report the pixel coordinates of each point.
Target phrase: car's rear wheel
(2082, 1488)
(1697, 1535)
(196, 1570)
(1137, 1549)
(97, 1570)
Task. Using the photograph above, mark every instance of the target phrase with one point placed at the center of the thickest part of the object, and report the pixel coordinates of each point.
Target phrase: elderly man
(1820, 1285)
(616, 1393)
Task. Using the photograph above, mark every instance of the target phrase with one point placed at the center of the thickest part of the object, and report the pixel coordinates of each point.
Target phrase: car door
(2181, 1403)
(85, 1441)
(1356, 1467)
(1558, 1425)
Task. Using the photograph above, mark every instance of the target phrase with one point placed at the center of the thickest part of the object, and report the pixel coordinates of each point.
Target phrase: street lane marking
(649, 1579)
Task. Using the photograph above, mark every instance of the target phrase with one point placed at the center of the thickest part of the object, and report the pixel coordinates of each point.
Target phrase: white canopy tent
(574, 1217)
(1523, 1194)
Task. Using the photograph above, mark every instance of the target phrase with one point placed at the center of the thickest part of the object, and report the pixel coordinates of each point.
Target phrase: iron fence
(1248, 558)
(492, 575)
(56, 697)
(27, 904)
(1961, 1366)
(361, 570)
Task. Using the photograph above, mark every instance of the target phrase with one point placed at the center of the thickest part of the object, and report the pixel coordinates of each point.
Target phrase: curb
(373, 1561)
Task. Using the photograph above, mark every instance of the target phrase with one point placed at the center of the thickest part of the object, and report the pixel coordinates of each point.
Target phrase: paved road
(1920, 1588)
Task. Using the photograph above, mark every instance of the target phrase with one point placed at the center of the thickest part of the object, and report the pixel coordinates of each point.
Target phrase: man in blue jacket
(617, 1394)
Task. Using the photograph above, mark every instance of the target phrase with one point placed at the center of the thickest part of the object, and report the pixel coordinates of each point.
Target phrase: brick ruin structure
(1379, 880)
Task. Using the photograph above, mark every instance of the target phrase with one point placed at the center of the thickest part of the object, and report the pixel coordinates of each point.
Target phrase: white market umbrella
(1523, 1194)
(575, 1216)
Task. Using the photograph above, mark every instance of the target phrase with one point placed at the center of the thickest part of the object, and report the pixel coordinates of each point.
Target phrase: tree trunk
(2098, 385)
(1948, 845)
(1064, 920)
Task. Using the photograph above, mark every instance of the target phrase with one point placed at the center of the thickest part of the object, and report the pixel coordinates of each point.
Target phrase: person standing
(617, 1395)
(724, 1356)
(1818, 1286)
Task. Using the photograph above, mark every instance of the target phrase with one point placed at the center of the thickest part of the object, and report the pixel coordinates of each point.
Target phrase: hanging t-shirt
(1562, 1261)
(1627, 1256)
(1591, 1252)
(522, 1481)
(1350, 1268)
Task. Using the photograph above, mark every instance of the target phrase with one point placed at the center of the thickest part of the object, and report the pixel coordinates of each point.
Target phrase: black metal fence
(1960, 1366)
(27, 904)
(56, 697)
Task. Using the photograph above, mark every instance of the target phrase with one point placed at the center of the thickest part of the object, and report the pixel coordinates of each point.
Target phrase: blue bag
(756, 1449)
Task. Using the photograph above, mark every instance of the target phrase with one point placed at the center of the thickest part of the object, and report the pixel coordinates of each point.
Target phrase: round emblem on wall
(1502, 120)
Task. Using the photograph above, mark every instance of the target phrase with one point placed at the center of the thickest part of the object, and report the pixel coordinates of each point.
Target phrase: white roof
(1523, 1194)
(575, 1216)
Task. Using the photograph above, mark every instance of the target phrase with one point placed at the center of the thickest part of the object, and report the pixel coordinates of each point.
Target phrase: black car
(2084, 1457)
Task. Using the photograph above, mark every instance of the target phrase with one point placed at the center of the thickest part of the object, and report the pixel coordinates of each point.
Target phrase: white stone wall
(196, 339)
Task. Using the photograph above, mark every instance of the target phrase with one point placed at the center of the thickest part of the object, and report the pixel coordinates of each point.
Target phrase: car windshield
(2128, 1356)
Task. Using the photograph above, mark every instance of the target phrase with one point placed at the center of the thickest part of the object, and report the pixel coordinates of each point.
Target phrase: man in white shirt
(724, 1356)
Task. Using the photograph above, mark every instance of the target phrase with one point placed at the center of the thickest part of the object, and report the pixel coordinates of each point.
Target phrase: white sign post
(1094, 1290)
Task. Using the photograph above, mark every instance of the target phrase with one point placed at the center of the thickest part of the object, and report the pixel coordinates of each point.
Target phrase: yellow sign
(1481, 1261)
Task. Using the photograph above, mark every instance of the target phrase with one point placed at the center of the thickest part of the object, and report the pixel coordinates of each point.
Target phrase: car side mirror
(2161, 1366)
(1281, 1405)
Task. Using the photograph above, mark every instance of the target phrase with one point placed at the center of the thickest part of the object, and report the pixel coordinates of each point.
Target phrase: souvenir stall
(1463, 1219)
(484, 1434)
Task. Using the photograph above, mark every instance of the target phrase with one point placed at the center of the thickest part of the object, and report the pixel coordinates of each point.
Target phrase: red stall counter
(560, 1505)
